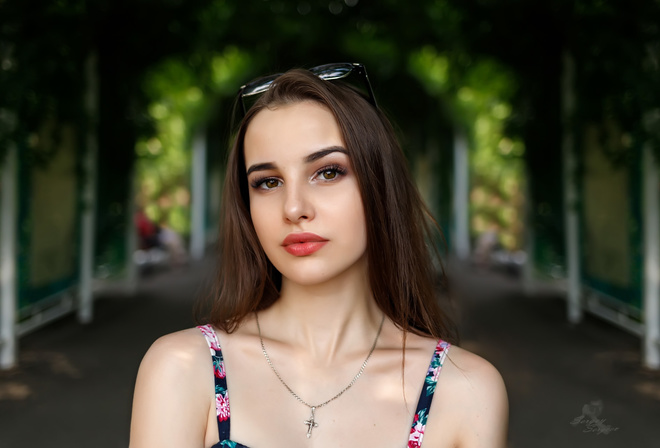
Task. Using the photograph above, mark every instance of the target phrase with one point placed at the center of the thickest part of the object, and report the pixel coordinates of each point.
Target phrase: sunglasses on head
(350, 73)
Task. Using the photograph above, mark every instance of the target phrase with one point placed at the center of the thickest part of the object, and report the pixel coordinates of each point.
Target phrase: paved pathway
(552, 369)
(74, 384)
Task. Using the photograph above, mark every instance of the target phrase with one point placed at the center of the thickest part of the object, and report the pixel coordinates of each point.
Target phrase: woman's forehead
(290, 131)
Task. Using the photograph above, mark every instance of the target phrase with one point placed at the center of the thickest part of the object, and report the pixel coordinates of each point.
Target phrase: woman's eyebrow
(308, 159)
(324, 152)
(260, 167)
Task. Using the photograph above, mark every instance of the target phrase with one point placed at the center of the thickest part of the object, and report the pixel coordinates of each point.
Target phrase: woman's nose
(297, 205)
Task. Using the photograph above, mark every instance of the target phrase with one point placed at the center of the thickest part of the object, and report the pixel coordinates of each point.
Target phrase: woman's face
(304, 198)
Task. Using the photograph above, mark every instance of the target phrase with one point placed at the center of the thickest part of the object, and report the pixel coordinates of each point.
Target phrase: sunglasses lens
(352, 75)
(250, 91)
(333, 71)
(258, 85)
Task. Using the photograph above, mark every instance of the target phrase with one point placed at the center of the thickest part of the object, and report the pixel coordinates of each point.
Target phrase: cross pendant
(311, 423)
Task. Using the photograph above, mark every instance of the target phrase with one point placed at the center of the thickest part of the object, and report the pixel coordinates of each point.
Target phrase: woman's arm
(173, 393)
(486, 419)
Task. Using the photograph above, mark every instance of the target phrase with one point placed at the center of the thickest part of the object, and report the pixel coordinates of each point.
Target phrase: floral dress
(222, 396)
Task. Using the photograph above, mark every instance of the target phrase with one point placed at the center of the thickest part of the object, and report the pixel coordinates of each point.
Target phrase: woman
(325, 319)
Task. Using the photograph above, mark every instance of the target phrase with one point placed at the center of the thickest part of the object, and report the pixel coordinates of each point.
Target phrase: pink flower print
(222, 407)
(442, 347)
(415, 440)
(436, 364)
(434, 372)
(207, 330)
(416, 434)
(219, 368)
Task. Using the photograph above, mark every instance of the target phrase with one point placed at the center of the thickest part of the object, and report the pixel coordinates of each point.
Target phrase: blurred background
(532, 129)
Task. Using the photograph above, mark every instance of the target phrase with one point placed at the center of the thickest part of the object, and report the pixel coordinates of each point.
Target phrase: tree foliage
(616, 46)
(43, 45)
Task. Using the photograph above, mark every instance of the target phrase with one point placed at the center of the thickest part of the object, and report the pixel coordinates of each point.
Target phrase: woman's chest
(381, 407)
(377, 410)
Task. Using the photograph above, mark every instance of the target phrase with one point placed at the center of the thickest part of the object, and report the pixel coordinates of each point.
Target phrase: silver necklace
(311, 422)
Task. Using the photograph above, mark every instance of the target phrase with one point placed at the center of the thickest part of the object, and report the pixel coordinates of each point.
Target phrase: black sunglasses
(345, 71)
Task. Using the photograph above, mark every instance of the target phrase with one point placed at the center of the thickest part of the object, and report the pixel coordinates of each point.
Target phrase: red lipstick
(302, 244)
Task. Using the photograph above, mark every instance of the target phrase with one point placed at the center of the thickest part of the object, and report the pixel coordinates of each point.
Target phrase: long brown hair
(401, 270)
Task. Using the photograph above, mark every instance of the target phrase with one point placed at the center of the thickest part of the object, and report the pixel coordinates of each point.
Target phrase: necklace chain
(297, 397)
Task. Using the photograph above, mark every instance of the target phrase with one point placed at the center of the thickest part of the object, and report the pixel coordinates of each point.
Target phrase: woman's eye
(329, 174)
(271, 183)
(266, 184)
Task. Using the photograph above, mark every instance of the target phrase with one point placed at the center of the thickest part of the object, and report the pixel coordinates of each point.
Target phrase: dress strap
(425, 398)
(221, 395)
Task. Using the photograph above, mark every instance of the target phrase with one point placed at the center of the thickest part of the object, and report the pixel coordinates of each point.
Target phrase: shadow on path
(553, 369)
(74, 384)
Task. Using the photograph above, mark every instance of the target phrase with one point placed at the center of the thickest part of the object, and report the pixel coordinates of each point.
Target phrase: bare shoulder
(176, 350)
(182, 358)
(474, 388)
(173, 392)
(476, 372)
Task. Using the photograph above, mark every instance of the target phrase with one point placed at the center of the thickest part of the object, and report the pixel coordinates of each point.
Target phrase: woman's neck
(326, 320)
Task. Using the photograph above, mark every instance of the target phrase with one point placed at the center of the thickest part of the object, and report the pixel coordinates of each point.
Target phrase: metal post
(88, 219)
(434, 188)
(530, 241)
(651, 307)
(8, 299)
(214, 201)
(131, 236)
(571, 217)
(461, 196)
(198, 227)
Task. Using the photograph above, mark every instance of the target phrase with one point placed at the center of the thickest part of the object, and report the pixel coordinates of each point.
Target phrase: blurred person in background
(147, 230)
(487, 242)
(325, 329)
(173, 243)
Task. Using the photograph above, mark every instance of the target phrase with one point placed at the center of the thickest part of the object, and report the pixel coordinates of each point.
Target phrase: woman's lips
(302, 244)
